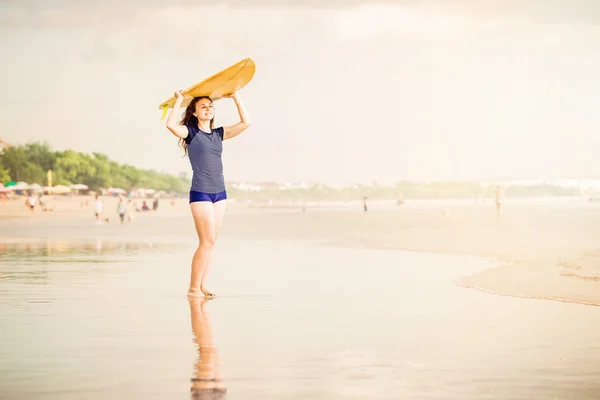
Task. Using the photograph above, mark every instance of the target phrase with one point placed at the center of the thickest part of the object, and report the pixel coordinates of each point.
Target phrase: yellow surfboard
(217, 86)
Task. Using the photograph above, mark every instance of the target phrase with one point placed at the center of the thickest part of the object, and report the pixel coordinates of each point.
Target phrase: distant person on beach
(44, 206)
(30, 202)
(365, 204)
(499, 199)
(203, 143)
(122, 209)
(129, 208)
(98, 209)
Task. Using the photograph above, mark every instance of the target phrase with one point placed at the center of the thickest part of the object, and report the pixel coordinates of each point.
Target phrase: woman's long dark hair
(189, 119)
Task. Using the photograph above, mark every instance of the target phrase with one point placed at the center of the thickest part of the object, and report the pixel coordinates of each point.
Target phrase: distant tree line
(30, 163)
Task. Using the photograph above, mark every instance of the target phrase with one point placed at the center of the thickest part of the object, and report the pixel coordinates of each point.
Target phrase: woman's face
(204, 110)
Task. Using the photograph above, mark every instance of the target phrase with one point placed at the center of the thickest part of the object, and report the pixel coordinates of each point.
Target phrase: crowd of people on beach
(126, 206)
(125, 209)
(41, 201)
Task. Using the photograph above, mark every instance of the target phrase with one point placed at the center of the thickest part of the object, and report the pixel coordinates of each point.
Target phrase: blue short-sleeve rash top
(205, 151)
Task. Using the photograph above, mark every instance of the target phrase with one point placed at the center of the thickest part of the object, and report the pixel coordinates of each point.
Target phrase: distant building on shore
(583, 185)
(258, 186)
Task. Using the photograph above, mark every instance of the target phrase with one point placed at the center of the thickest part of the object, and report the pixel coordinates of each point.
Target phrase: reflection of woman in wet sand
(207, 382)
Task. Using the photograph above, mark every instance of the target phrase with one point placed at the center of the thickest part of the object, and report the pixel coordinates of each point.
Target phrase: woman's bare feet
(192, 292)
(199, 293)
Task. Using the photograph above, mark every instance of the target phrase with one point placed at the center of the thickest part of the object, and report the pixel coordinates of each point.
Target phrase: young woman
(203, 143)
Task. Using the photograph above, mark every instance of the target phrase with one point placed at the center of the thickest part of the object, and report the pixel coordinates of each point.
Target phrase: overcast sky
(345, 91)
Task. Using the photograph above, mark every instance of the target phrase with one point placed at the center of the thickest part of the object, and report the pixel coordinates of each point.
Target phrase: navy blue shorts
(212, 197)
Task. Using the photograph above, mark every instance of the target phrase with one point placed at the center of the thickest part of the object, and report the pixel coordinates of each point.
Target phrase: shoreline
(539, 252)
(505, 265)
(577, 272)
(524, 296)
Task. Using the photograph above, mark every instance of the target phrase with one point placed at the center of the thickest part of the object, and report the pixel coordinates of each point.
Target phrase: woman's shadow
(207, 382)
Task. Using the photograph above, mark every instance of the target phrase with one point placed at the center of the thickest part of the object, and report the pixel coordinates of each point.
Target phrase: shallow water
(106, 319)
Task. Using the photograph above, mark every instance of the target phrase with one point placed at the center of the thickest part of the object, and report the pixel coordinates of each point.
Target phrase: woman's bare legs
(204, 220)
(219, 209)
(208, 218)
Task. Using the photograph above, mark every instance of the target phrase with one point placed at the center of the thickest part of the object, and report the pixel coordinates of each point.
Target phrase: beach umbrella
(11, 183)
(79, 186)
(21, 186)
(60, 189)
(115, 191)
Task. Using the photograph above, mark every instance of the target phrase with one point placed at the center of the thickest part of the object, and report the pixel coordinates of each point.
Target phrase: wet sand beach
(545, 249)
(327, 303)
